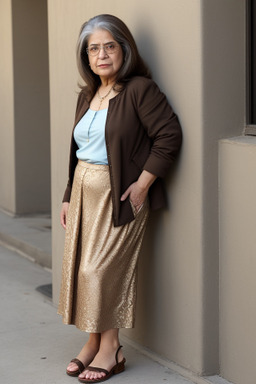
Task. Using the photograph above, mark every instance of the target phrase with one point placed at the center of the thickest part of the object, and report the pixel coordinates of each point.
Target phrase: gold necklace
(95, 112)
(104, 97)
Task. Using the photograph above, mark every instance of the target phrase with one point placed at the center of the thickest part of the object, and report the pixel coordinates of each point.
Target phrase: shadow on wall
(147, 48)
(156, 288)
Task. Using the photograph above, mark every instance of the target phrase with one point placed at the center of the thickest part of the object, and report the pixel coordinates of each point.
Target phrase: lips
(103, 65)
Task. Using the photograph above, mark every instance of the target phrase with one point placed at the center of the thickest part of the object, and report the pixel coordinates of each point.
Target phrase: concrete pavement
(35, 346)
(30, 236)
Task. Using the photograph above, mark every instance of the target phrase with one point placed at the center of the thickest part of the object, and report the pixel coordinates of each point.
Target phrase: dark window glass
(251, 57)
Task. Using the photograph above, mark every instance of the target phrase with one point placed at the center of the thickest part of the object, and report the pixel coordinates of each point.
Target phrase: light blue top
(89, 135)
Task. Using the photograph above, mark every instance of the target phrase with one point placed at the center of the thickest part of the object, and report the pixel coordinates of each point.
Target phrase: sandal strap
(79, 364)
(96, 369)
(120, 346)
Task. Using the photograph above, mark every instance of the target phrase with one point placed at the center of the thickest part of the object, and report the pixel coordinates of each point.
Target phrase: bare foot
(86, 355)
(105, 359)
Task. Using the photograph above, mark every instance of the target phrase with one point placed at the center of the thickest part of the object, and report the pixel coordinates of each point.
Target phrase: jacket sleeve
(67, 194)
(72, 153)
(162, 127)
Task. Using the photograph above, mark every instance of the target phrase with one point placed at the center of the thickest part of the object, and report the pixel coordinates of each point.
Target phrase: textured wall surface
(7, 177)
(178, 302)
(24, 101)
(238, 259)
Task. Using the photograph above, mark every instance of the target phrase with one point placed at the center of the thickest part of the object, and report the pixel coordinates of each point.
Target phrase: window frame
(250, 128)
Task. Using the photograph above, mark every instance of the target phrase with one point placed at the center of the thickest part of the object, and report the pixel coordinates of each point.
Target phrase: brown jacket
(142, 132)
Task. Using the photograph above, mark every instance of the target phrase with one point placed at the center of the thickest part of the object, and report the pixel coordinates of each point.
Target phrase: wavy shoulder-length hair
(133, 64)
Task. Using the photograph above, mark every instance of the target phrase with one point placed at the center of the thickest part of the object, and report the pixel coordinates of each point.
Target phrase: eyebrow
(109, 42)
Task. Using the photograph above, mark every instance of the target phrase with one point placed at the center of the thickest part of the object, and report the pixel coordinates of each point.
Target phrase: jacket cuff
(156, 166)
(67, 194)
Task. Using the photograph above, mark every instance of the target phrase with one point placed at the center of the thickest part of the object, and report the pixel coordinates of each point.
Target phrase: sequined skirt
(99, 273)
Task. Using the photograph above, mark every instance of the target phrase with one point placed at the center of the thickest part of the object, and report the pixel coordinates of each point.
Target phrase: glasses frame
(103, 46)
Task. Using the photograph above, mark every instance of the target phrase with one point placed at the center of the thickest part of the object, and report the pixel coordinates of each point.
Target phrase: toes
(72, 367)
(99, 375)
(82, 375)
(95, 375)
(91, 375)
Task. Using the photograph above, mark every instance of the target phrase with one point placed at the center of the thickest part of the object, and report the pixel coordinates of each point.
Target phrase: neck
(107, 82)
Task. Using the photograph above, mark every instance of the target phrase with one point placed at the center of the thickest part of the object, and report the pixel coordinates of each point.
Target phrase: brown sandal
(80, 369)
(118, 368)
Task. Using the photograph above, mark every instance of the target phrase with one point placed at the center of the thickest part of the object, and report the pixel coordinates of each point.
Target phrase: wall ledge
(240, 140)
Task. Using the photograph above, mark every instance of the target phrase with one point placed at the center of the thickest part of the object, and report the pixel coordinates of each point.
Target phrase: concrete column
(7, 147)
(223, 115)
(31, 100)
(238, 259)
(26, 122)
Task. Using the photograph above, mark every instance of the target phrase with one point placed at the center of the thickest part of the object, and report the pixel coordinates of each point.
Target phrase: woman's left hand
(136, 194)
(138, 191)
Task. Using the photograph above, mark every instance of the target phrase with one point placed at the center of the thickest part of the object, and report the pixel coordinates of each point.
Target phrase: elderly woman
(124, 140)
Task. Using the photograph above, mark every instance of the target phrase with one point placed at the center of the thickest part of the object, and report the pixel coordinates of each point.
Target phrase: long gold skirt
(99, 273)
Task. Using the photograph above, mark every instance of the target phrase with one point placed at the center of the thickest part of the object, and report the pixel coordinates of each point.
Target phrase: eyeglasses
(109, 49)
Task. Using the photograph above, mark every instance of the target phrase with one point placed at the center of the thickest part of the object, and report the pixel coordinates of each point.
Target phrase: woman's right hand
(63, 214)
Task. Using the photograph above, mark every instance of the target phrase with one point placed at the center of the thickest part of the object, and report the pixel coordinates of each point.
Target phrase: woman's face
(104, 64)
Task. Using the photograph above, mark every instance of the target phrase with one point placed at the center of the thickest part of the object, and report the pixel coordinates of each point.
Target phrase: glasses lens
(108, 48)
(92, 51)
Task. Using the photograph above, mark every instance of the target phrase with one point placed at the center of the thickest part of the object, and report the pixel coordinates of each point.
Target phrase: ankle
(94, 341)
(109, 349)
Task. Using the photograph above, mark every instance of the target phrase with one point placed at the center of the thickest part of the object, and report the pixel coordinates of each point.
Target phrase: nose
(102, 53)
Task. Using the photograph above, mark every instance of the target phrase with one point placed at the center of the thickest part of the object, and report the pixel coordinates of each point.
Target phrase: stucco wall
(31, 103)
(24, 100)
(177, 314)
(7, 160)
(223, 108)
(169, 258)
(237, 259)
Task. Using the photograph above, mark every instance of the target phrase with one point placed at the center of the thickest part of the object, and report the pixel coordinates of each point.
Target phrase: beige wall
(25, 121)
(31, 101)
(196, 52)
(237, 259)
(7, 159)
(223, 108)
(179, 315)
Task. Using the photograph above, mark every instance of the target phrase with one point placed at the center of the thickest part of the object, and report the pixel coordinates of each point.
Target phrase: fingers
(126, 193)
(63, 214)
(63, 219)
(136, 197)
